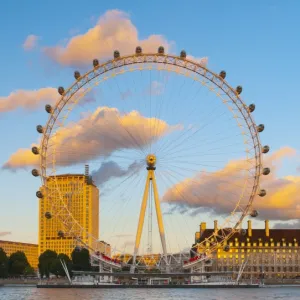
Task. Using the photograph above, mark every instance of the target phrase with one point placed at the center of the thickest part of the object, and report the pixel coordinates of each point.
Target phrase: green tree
(29, 270)
(46, 259)
(3, 264)
(57, 268)
(81, 259)
(17, 263)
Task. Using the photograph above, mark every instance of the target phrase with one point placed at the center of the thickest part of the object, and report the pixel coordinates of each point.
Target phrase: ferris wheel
(160, 133)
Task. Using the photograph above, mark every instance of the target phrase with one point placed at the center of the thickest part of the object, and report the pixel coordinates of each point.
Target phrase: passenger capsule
(48, 215)
(226, 248)
(116, 54)
(262, 193)
(35, 173)
(260, 127)
(243, 232)
(60, 234)
(39, 194)
(266, 171)
(222, 74)
(138, 50)
(61, 90)
(161, 50)
(76, 75)
(251, 108)
(265, 149)
(183, 54)
(35, 150)
(77, 249)
(48, 108)
(254, 213)
(40, 129)
(95, 62)
(239, 89)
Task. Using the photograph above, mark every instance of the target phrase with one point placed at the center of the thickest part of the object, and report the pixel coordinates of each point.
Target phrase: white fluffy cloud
(215, 192)
(113, 31)
(28, 99)
(98, 134)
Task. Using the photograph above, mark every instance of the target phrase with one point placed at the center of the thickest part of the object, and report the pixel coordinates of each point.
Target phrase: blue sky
(256, 42)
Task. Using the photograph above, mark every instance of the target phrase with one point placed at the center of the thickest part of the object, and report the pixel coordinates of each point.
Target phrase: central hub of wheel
(151, 160)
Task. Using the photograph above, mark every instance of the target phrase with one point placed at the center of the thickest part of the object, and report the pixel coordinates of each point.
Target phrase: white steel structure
(180, 66)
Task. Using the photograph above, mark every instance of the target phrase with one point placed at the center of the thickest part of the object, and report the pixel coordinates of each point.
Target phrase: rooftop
(276, 235)
(17, 243)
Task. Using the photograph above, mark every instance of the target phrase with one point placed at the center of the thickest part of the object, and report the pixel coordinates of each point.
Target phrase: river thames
(31, 293)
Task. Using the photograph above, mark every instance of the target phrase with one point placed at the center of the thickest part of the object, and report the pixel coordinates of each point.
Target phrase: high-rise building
(30, 250)
(81, 195)
(269, 252)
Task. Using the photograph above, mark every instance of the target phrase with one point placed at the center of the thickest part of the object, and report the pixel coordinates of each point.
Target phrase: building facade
(81, 195)
(30, 250)
(271, 253)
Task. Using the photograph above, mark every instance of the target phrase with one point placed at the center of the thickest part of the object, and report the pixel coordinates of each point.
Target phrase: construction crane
(5, 233)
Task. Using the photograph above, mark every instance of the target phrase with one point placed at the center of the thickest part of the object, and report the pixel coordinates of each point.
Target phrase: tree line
(14, 265)
(17, 265)
(50, 262)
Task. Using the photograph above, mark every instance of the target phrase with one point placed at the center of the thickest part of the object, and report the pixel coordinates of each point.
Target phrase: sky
(256, 42)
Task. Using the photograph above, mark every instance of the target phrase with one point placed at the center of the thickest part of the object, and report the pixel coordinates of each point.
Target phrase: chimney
(202, 227)
(249, 228)
(267, 228)
(215, 226)
(197, 237)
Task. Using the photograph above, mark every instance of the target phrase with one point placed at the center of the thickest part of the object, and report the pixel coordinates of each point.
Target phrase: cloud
(97, 134)
(111, 169)
(28, 99)
(30, 42)
(200, 60)
(287, 225)
(215, 192)
(113, 31)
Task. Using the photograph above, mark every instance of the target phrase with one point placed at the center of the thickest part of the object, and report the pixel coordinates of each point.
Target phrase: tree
(46, 259)
(17, 263)
(81, 259)
(29, 270)
(56, 267)
(3, 264)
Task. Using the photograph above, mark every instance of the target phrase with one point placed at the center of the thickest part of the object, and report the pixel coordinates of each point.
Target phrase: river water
(31, 293)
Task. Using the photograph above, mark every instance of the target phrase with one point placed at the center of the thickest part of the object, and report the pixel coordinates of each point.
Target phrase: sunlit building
(270, 253)
(146, 259)
(30, 250)
(81, 196)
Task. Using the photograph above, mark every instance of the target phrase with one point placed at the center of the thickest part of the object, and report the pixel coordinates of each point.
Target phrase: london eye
(168, 142)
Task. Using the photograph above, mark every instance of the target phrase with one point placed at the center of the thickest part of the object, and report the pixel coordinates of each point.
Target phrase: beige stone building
(30, 250)
(269, 252)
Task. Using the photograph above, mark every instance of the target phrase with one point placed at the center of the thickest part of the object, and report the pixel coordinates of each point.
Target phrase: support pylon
(150, 181)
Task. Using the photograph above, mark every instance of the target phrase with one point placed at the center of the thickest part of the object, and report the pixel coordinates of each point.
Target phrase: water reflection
(18, 293)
